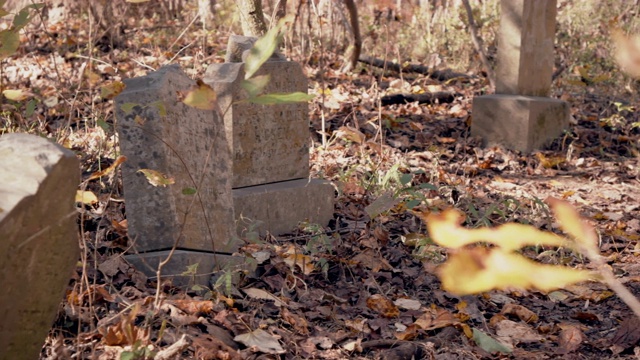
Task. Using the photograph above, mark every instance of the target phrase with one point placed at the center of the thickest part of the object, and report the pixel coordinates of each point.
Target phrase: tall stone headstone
(269, 147)
(189, 145)
(520, 115)
(38, 239)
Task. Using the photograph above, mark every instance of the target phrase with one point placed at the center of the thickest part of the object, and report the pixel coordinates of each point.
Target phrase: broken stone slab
(239, 46)
(187, 268)
(38, 239)
(269, 143)
(279, 207)
(523, 123)
(159, 132)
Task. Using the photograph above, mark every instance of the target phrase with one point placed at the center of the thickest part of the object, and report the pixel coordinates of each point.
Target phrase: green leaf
(21, 19)
(405, 179)
(254, 86)
(264, 48)
(103, 124)
(191, 270)
(272, 99)
(127, 355)
(128, 107)
(31, 107)
(488, 344)
(162, 110)
(189, 191)
(10, 42)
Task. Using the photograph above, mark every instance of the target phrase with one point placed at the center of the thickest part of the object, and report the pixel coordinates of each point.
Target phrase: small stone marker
(38, 239)
(520, 115)
(270, 147)
(159, 132)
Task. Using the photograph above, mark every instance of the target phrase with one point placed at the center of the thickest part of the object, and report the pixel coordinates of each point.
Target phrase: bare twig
(477, 44)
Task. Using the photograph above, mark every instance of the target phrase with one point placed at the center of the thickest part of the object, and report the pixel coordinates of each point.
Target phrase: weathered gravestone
(520, 115)
(269, 145)
(38, 239)
(159, 132)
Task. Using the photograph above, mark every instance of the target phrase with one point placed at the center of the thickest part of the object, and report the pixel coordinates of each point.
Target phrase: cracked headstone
(194, 213)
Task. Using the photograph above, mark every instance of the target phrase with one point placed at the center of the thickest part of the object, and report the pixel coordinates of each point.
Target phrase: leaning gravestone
(269, 146)
(195, 214)
(38, 239)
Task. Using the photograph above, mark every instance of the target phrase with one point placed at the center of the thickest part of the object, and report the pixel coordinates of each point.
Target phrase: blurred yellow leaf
(627, 52)
(570, 221)
(444, 228)
(478, 270)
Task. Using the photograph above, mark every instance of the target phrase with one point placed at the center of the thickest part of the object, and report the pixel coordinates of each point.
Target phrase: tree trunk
(352, 58)
(252, 18)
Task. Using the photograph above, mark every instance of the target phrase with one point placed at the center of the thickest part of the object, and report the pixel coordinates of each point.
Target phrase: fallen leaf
(261, 341)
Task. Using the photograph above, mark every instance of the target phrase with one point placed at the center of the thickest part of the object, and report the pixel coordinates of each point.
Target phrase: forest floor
(369, 287)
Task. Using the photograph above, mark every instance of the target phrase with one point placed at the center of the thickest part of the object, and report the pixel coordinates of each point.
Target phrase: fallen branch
(428, 98)
(441, 75)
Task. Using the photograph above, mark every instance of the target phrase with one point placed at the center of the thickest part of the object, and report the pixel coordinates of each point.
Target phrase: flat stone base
(178, 267)
(522, 123)
(279, 207)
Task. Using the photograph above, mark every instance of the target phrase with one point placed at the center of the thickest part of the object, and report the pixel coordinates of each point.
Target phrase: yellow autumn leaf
(157, 178)
(16, 95)
(202, 97)
(477, 270)
(445, 229)
(86, 197)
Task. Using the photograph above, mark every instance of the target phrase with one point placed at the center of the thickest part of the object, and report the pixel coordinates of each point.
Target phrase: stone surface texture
(270, 143)
(38, 239)
(522, 123)
(279, 207)
(159, 132)
(525, 47)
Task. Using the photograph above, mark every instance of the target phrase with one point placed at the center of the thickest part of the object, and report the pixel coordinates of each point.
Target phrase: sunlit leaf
(273, 99)
(16, 95)
(86, 197)
(472, 271)
(202, 97)
(157, 178)
(128, 107)
(294, 259)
